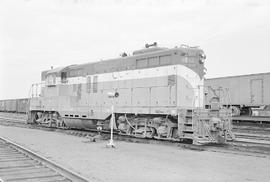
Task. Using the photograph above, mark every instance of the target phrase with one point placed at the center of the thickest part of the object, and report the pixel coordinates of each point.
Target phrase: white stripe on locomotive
(180, 70)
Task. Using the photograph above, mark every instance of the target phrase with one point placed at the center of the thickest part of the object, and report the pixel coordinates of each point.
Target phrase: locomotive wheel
(246, 111)
(153, 133)
(175, 133)
(235, 111)
(33, 118)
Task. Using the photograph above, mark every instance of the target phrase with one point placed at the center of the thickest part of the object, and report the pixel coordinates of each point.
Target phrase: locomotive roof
(122, 63)
(55, 70)
(236, 76)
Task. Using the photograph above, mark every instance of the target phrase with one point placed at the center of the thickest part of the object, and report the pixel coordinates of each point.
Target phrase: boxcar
(11, 105)
(244, 92)
(22, 105)
(2, 106)
(15, 105)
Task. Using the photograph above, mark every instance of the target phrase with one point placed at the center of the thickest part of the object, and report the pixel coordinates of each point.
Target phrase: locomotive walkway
(139, 162)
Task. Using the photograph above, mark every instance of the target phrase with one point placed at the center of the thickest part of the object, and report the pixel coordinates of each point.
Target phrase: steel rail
(231, 144)
(66, 173)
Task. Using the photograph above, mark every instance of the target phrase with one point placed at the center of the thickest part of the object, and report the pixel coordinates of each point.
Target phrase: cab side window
(51, 80)
(64, 77)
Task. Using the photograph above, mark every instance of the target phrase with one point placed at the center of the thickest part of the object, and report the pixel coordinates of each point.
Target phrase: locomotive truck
(159, 94)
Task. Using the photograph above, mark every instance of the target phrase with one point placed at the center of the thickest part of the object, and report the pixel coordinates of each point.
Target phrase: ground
(139, 162)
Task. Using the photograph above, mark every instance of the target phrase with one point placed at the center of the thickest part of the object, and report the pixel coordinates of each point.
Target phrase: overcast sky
(35, 34)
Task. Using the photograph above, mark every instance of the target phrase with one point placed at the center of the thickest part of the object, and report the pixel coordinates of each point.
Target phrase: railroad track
(253, 136)
(19, 164)
(243, 132)
(252, 119)
(13, 120)
(239, 135)
(244, 141)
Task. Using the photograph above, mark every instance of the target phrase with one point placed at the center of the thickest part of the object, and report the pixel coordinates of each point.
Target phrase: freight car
(247, 94)
(159, 94)
(2, 106)
(14, 105)
(22, 105)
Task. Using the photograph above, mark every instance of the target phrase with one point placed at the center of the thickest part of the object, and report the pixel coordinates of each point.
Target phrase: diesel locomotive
(158, 93)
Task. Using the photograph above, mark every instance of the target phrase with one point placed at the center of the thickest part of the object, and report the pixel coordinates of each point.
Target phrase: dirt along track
(135, 162)
(20, 164)
(250, 138)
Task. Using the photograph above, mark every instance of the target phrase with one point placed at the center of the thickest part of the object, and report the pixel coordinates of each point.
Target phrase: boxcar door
(256, 91)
